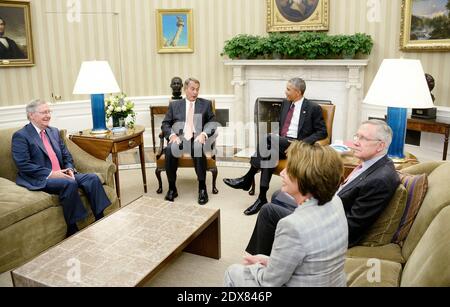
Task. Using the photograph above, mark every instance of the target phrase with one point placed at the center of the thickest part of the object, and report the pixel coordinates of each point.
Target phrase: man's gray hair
(383, 132)
(299, 84)
(33, 105)
(189, 80)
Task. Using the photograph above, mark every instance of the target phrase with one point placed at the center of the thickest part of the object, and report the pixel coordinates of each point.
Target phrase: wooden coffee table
(126, 248)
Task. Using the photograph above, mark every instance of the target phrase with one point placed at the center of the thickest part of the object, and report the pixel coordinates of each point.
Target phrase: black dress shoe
(238, 183)
(202, 197)
(171, 195)
(253, 209)
(71, 230)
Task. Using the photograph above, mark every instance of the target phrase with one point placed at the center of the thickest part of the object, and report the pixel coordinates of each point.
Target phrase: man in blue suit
(45, 164)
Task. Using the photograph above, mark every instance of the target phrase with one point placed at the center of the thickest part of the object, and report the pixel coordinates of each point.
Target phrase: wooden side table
(101, 145)
(429, 125)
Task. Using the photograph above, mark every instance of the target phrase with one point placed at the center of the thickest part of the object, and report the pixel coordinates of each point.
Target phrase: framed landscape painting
(174, 27)
(16, 43)
(297, 15)
(425, 25)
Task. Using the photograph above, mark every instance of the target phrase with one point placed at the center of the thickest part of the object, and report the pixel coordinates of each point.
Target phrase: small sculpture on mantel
(431, 84)
(177, 85)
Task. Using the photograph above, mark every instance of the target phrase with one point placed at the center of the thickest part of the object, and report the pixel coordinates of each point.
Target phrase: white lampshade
(95, 77)
(400, 83)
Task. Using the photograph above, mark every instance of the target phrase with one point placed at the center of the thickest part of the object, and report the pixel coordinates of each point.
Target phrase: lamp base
(100, 131)
(396, 119)
(98, 113)
(399, 160)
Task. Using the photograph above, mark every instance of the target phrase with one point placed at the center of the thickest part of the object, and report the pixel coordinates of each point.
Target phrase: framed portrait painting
(174, 27)
(425, 25)
(16, 43)
(297, 15)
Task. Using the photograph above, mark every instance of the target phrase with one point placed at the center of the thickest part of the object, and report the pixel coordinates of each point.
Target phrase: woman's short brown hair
(318, 170)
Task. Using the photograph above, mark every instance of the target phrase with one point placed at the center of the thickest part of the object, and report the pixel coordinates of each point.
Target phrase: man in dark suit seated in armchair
(365, 193)
(300, 119)
(45, 164)
(189, 127)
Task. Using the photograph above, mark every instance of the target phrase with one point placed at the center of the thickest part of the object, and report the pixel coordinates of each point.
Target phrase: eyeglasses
(45, 112)
(358, 137)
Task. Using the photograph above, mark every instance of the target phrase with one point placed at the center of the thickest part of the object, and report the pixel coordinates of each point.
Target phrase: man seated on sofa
(45, 164)
(364, 193)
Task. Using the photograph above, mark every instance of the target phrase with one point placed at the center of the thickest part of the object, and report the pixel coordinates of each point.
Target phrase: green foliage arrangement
(303, 45)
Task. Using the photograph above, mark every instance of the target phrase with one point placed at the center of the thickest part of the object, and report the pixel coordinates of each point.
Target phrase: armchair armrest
(85, 163)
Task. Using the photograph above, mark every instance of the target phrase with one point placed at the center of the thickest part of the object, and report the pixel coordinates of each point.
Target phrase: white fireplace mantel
(341, 81)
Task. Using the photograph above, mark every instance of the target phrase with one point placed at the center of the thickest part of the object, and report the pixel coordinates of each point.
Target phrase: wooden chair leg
(214, 178)
(158, 176)
(252, 190)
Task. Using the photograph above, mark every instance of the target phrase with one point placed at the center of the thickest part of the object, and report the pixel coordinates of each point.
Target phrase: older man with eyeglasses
(365, 193)
(45, 164)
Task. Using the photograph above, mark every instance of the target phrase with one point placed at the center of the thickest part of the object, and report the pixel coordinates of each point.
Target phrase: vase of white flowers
(118, 121)
(120, 108)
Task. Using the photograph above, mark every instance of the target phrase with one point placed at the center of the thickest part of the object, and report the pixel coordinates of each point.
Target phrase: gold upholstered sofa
(423, 258)
(31, 222)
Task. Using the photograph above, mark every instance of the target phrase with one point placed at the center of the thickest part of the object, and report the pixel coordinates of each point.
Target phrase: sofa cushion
(428, 265)
(437, 198)
(363, 272)
(416, 187)
(382, 231)
(17, 203)
(391, 252)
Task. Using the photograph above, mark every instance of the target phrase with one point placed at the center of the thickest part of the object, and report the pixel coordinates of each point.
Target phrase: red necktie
(50, 152)
(190, 123)
(287, 121)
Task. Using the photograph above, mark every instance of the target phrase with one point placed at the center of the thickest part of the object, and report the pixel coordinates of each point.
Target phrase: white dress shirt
(4, 42)
(188, 103)
(293, 128)
(186, 119)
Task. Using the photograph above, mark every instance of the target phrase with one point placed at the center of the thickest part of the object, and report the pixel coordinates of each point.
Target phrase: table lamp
(96, 78)
(399, 84)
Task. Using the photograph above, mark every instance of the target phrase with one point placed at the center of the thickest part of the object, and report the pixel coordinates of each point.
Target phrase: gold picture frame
(174, 30)
(16, 44)
(297, 15)
(422, 35)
